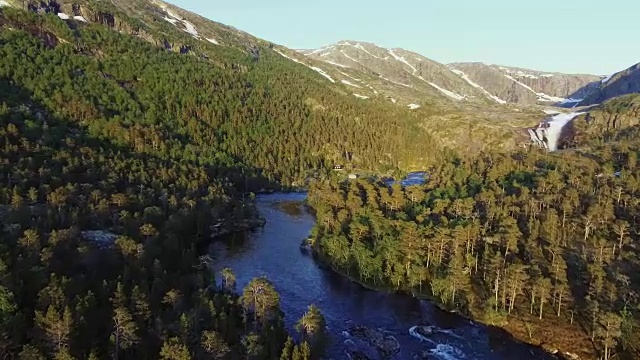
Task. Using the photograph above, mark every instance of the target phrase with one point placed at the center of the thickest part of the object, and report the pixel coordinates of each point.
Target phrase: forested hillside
(119, 160)
(268, 117)
(544, 245)
(613, 120)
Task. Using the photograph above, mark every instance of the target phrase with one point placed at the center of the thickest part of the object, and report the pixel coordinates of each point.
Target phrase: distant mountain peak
(475, 81)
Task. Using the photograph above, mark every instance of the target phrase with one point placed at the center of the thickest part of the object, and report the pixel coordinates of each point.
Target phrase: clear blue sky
(588, 36)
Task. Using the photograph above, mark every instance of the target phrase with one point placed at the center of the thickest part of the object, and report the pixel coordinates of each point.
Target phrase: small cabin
(338, 167)
(353, 176)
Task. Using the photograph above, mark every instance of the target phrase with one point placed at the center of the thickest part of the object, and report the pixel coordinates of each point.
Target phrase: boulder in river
(422, 333)
(386, 345)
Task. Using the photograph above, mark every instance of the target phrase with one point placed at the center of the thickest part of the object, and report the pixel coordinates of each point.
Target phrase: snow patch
(317, 69)
(541, 96)
(326, 48)
(361, 96)
(521, 73)
(466, 78)
(80, 18)
(173, 21)
(349, 76)
(349, 57)
(213, 41)
(321, 72)
(191, 29)
(63, 16)
(335, 64)
(607, 78)
(411, 106)
(288, 57)
(450, 94)
(359, 47)
(548, 98)
(403, 60)
(575, 102)
(551, 112)
(394, 100)
(391, 81)
(4, 3)
(346, 82)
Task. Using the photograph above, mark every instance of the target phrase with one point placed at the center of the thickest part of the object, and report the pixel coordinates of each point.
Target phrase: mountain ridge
(621, 83)
(485, 82)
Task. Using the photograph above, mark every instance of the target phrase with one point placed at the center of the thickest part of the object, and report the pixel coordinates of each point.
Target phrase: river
(274, 251)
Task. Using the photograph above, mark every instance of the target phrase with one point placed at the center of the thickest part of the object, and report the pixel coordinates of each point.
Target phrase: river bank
(554, 338)
(273, 250)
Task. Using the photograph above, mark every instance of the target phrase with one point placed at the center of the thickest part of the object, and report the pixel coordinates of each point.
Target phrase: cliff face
(622, 83)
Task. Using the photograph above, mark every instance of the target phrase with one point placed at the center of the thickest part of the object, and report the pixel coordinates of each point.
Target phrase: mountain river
(274, 251)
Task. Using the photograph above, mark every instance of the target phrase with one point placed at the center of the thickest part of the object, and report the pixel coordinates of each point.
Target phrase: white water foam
(447, 352)
(413, 331)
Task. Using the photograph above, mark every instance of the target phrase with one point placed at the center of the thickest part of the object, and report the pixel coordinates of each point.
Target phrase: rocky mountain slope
(403, 73)
(399, 73)
(621, 83)
(523, 86)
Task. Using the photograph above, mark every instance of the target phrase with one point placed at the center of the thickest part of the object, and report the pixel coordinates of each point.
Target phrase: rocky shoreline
(560, 355)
